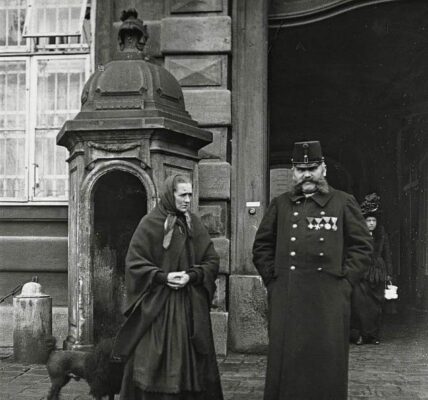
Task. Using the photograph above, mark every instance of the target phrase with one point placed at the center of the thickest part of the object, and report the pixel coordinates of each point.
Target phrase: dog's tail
(50, 342)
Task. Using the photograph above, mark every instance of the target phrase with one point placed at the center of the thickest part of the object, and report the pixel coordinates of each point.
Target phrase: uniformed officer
(311, 247)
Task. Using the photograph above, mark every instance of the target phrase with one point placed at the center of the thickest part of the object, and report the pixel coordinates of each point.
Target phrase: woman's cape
(146, 299)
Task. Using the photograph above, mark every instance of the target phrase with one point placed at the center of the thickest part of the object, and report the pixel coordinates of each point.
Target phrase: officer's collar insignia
(320, 198)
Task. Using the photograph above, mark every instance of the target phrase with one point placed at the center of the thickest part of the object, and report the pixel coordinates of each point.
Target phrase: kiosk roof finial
(132, 33)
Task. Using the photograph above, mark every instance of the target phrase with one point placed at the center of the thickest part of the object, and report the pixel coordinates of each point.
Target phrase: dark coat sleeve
(386, 255)
(264, 246)
(358, 242)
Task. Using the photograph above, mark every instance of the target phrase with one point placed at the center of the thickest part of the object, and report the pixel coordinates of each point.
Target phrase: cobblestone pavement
(397, 369)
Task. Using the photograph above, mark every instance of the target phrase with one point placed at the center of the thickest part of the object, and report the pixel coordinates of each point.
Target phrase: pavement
(397, 369)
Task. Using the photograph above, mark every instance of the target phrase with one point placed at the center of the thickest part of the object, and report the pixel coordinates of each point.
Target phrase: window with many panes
(44, 63)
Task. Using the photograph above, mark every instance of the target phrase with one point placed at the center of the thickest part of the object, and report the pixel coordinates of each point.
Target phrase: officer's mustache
(311, 180)
(320, 183)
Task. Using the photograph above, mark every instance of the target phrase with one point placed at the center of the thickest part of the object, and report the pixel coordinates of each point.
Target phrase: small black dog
(104, 377)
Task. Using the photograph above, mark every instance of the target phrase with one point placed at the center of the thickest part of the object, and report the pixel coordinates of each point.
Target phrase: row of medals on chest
(328, 223)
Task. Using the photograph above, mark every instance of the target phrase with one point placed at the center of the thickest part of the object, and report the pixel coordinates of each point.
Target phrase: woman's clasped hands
(177, 280)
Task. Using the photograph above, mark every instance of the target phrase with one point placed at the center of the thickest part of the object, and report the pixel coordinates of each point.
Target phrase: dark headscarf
(167, 207)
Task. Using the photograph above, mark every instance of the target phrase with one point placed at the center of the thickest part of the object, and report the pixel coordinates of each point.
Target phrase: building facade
(259, 75)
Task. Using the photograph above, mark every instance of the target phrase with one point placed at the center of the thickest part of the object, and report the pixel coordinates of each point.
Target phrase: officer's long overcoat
(309, 252)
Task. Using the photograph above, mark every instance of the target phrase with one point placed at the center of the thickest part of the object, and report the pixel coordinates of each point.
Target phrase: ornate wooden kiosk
(132, 132)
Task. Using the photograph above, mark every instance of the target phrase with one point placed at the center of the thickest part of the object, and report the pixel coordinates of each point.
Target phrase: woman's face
(183, 196)
(371, 223)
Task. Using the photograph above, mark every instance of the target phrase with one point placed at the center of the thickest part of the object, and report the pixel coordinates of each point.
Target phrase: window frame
(32, 198)
(29, 15)
(31, 123)
(25, 48)
(30, 53)
(15, 200)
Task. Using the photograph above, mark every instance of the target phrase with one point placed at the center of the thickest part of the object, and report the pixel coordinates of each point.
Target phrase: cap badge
(305, 156)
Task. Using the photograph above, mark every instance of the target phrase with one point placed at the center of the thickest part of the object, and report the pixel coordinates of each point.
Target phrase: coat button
(295, 213)
(292, 253)
(293, 239)
(322, 212)
(294, 226)
(321, 254)
(319, 269)
(292, 267)
(322, 239)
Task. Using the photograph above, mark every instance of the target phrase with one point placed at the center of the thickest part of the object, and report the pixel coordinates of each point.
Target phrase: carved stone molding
(116, 104)
(198, 70)
(114, 147)
(106, 151)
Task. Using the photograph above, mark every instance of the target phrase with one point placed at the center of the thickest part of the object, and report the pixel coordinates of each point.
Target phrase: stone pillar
(249, 171)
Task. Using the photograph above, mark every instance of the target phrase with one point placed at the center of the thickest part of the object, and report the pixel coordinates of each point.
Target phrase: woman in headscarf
(368, 296)
(167, 341)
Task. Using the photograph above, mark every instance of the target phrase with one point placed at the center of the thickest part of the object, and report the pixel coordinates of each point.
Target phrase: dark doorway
(358, 82)
(120, 201)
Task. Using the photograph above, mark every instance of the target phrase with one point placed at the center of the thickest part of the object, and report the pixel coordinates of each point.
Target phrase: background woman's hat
(307, 154)
(371, 205)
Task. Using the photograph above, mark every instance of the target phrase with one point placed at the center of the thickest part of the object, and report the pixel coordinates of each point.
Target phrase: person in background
(368, 296)
(170, 274)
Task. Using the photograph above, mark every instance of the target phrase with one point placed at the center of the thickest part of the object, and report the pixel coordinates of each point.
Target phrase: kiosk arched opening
(119, 203)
